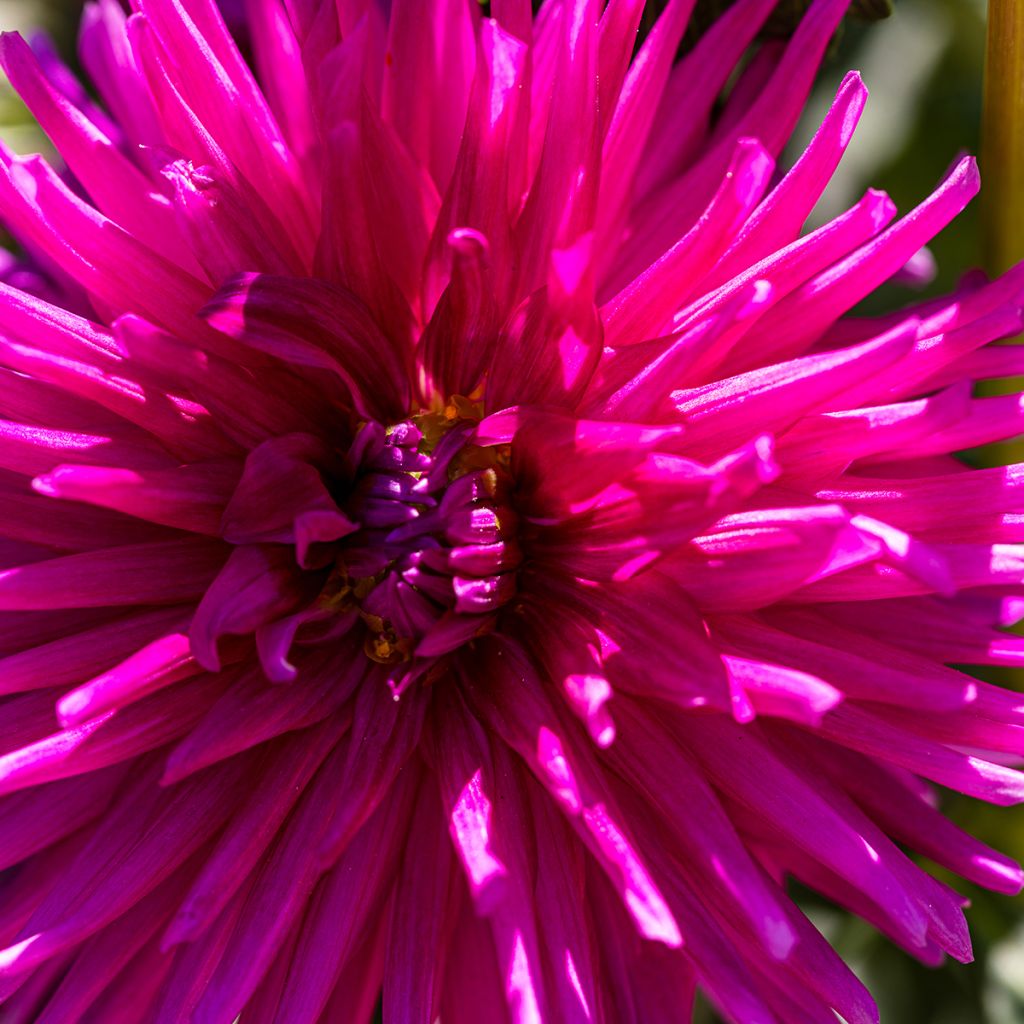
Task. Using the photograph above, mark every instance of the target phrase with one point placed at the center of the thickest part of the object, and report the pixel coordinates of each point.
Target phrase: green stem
(1002, 162)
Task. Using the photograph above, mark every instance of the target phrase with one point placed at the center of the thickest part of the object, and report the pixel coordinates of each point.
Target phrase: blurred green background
(923, 67)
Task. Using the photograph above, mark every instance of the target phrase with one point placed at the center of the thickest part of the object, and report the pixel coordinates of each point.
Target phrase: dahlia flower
(456, 550)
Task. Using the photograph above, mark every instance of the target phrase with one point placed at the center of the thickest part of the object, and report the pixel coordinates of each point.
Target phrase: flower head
(469, 552)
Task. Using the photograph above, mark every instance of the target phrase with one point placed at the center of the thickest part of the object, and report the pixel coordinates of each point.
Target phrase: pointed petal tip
(880, 206)
(1008, 875)
(850, 100)
(853, 82)
(750, 154)
(9, 40)
(72, 709)
(470, 242)
(966, 174)
(46, 485)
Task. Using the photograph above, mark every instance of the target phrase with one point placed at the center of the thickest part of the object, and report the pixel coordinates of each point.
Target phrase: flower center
(435, 557)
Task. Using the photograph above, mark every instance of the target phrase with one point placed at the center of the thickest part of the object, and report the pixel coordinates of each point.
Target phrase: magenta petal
(630, 123)
(114, 736)
(350, 897)
(644, 307)
(252, 830)
(167, 572)
(78, 655)
(190, 498)
(464, 776)
(253, 710)
(118, 188)
(257, 585)
(273, 314)
(455, 531)
(273, 905)
(155, 666)
(777, 221)
(382, 739)
(282, 497)
(422, 916)
(549, 758)
(102, 257)
(88, 898)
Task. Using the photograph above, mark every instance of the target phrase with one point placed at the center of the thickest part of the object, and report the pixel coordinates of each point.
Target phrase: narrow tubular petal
(713, 849)
(251, 830)
(117, 187)
(278, 55)
(560, 207)
(473, 984)
(867, 670)
(530, 729)
(93, 895)
(616, 41)
(785, 269)
(192, 964)
(282, 890)
(126, 995)
(29, 449)
(39, 522)
(274, 314)
(665, 214)
(168, 572)
(722, 414)
(217, 84)
(910, 818)
(102, 257)
(514, 924)
(464, 772)
(258, 584)
(384, 734)
(833, 292)
(645, 306)
(158, 664)
(112, 738)
(39, 818)
(694, 84)
(105, 53)
(777, 221)
(349, 897)
(213, 214)
(819, 828)
(188, 498)
(630, 123)
(252, 711)
(423, 916)
(265, 1000)
(76, 656)
(569, 957)
(74, 355)
(872, 734)
(765, 689)
(346, 253)
(357, 990)
(104, 958)
(221, 383)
